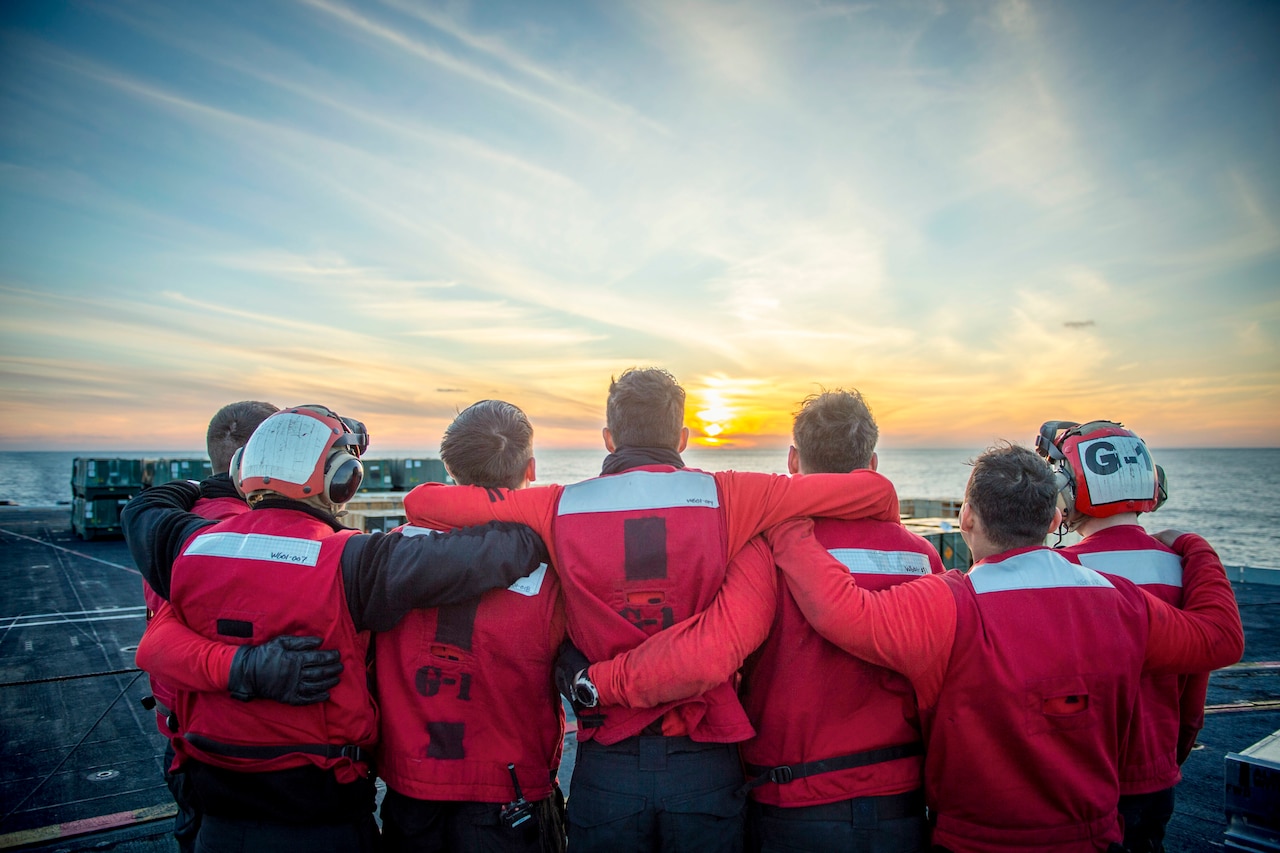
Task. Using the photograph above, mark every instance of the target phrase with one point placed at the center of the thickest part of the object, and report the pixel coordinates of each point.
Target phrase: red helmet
(303, 452)
(1103, 468)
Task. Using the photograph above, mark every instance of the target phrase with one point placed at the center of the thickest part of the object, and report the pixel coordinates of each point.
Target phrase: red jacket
(1037, 706)
(1159, 733)
(811, 701)
(215, 509)
(640, 551)
(226, 585)
(999, 772)
(467, 689)
(746, 502)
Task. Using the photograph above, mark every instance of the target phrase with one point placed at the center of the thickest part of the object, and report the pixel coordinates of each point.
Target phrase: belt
(787, 772)
(647, 744)
(888, 807)
(265, 753)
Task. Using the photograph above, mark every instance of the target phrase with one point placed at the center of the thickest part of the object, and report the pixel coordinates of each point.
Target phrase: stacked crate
(943, 534)
(157, 471)
(99, 490)
(414, 472)
(377, 475)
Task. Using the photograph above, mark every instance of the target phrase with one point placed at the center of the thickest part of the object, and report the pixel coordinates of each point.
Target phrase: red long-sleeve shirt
(750, 503)
(911, 627)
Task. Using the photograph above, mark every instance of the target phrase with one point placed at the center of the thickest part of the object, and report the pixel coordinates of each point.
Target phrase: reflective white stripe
(256, 546)
(1141, 567)
(640, 490)
(1034, 570)
(415, 530)
(531, 585)
(861, 561)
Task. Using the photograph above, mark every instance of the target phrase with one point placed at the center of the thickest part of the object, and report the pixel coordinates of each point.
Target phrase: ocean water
(1231, 497)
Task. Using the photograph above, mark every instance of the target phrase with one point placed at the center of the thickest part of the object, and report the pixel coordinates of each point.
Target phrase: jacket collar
(626, 458)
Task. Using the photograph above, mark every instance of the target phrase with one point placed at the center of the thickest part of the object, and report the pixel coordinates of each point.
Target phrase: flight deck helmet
(1102, 468)
(300, 453)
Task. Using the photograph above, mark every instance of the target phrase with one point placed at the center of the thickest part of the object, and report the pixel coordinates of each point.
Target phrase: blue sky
(983, 215)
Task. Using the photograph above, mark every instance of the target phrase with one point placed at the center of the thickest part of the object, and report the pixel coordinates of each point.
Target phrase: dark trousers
(656, 793)
(411, 825)
(1145, 817)
(229, 835)
(186, 823)
(888, 824)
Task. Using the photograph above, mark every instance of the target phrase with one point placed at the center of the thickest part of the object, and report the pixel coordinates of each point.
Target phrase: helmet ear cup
(1066, 486)
(234, 469)
(343, 475)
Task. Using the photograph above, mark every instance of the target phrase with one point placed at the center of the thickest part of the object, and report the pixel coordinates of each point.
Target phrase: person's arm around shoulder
(294, 670)
(703, 651)
(388, 574)
(909, 627)
(1206, 633)
(157, 523)
(439, 505)
(755, 502)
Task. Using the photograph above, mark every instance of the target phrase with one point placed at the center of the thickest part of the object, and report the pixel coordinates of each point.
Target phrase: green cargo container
(374, 521)
(157, 471)
(97, 516)
(953, 550)
(96, 474)
(377, 475)
(408, 473)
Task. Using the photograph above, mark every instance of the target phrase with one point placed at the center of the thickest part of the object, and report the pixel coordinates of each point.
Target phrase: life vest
(832, 726)
(638, 552)
(469, 688)
(1150, 758)
(245, 581)
(1036, 702)
(215, 509)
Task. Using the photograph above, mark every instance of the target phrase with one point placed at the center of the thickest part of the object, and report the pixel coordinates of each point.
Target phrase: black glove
(293, 670)
(571, 677)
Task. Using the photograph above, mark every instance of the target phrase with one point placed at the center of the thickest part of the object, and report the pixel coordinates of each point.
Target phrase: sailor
(837, 760)
(228, 431)
(638, 549)
(270, 775)
(472, 726)
(1109, 479)
(1027, 669)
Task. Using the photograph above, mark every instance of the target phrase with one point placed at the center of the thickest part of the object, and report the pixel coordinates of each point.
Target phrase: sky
(982, 215)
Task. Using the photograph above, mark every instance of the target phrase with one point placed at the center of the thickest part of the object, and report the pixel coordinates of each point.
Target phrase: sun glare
(715, 418)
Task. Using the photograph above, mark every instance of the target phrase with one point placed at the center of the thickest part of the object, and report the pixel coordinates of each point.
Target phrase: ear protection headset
(1102, 469)
(303, 452)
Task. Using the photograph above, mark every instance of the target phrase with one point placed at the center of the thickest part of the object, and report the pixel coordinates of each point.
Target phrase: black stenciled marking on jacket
(456, 623)
(645, 559)
(235, 628)
(645, 541)
(429, 679)
(446, 740)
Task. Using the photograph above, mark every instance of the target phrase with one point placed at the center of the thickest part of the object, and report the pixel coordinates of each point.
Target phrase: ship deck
(82, 768)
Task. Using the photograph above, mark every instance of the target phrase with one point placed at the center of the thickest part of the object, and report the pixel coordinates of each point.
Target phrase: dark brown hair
(230, 429)
(1014, 494)
(488, 444)
(645, 409)
(834, 432)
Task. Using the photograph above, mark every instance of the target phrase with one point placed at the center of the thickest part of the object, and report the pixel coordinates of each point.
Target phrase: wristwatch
(584, 691)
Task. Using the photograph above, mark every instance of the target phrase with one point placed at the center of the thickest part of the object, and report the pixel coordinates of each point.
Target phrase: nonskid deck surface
(82, 758)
